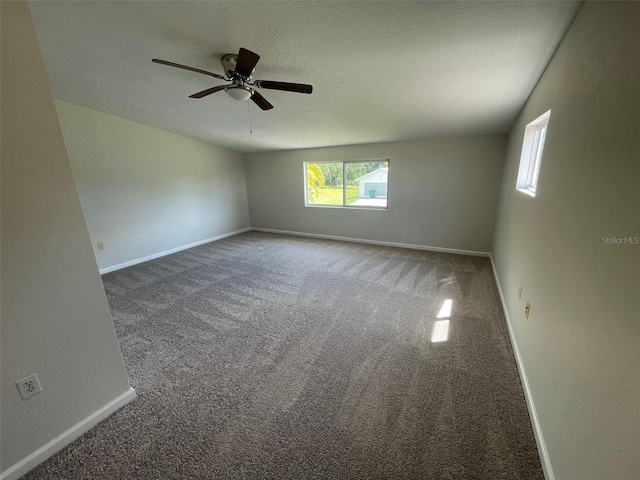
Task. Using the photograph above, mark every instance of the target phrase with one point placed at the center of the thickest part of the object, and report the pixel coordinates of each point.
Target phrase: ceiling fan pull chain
(249, 110)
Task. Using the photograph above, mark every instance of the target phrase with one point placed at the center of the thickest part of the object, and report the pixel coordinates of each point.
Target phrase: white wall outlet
(422, 226)
(100, 245)
(29, 386)
(520, 293)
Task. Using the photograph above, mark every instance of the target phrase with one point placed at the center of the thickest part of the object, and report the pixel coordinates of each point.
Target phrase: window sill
(531, 193)
(356, 207)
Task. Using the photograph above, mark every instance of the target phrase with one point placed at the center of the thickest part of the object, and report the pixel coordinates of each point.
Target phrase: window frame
(344, 184)
(535, 135)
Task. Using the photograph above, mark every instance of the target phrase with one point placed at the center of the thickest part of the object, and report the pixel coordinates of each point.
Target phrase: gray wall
(55, 317)
(450, 184)
(145, 191)
(580, 346)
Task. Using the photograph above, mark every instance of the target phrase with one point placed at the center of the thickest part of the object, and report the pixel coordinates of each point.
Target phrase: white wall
(581, 344)
(450, 184)
(146, 191)
(55, 317)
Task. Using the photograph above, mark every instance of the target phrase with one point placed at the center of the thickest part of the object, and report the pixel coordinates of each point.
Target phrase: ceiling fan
(238, 70)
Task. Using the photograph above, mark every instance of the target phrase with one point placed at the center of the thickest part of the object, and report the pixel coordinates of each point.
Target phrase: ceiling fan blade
(287, 87)
(246, 62)
(208, 91)
(261, 101)
(185, 67)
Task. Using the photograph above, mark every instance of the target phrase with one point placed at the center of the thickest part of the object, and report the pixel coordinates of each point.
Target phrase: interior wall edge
(374, 242)
(136, 261)
(533, 415)
(51, 448)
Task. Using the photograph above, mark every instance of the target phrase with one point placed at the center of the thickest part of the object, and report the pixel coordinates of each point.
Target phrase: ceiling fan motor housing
(229, 64)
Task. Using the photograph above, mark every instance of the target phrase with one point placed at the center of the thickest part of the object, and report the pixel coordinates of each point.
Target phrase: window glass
(347, 184)
(535, 134)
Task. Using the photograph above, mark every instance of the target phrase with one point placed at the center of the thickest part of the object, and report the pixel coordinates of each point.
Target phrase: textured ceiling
(381, 71)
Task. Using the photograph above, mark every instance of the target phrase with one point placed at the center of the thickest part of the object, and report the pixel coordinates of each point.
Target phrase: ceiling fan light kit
(238, 70)
(238, 92)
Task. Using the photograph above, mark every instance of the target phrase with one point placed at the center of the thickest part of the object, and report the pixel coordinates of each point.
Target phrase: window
(358, 183)
(531, 157)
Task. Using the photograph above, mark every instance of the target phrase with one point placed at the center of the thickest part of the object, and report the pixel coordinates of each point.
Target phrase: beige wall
(55, 317)
(450, 184)
(145, 191)
(580, 346)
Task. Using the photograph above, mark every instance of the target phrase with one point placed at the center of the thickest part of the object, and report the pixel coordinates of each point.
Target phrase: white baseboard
(61, 441)
(374, 242)
(113, 268)
(535, 423)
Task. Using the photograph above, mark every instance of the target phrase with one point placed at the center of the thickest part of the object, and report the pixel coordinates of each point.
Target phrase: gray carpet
(273, 357)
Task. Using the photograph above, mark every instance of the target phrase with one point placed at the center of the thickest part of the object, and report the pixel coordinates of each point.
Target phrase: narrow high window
(535, 134)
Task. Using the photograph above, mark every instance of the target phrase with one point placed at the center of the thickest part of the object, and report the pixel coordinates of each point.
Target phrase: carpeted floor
(273, 357)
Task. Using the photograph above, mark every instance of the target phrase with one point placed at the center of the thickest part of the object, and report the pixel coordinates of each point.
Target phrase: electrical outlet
(422, 227)
(520, 293)
(29, 386)
(100, 245)
(527, 309)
